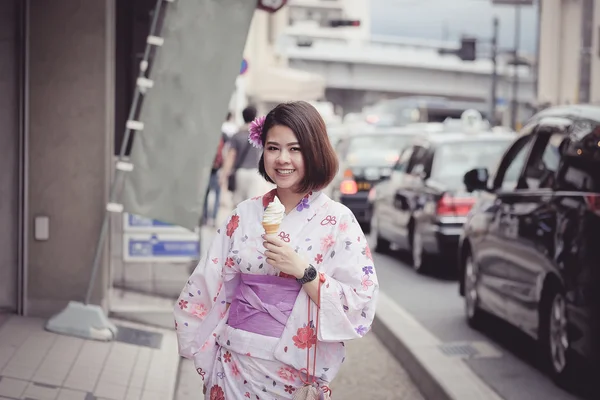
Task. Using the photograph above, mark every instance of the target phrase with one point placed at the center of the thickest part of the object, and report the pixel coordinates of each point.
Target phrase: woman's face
(283, 157)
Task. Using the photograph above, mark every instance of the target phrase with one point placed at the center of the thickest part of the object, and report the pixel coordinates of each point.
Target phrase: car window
(579, 169)
(405, 156)
(341, 147)
(453, 160)
(510, 168)
(543, 163)
(375, 145)
(419, 160)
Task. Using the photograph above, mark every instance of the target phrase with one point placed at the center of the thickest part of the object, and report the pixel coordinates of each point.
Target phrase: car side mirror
(476, 179)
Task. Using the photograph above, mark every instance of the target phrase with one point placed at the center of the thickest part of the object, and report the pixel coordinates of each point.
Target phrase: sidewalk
(141, 364)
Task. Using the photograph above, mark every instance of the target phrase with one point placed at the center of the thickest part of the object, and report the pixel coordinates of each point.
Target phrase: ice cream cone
(273, 216)
(271, 229)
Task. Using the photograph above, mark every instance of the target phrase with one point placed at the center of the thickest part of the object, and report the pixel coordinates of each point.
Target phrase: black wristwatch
(310, 274)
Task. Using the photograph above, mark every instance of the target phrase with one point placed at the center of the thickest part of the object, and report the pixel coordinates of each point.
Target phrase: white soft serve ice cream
(274, 213)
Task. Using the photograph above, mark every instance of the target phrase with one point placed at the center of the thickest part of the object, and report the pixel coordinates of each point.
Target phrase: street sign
(513, 2)
(244, 66)
(270, 5)
(148, 247)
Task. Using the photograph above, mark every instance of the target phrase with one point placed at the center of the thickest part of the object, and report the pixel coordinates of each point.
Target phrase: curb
(438, 377)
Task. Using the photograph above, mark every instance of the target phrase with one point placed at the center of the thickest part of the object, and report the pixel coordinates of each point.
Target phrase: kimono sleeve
(349, 293)
(201, 303)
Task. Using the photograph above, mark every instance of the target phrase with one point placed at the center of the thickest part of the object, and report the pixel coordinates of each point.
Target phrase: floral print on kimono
(326, 235)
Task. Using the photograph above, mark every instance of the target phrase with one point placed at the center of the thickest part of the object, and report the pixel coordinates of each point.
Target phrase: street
(507, 363)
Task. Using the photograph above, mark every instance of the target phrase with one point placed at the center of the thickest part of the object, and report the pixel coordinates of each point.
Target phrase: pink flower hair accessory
(255, 132)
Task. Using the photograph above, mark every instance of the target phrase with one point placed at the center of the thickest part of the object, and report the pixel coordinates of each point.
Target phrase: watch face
(311, 273)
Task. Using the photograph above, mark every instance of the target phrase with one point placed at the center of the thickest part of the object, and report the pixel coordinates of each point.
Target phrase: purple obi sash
(262, 303)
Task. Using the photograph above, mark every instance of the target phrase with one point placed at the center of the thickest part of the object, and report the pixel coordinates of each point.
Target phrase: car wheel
(381, 245)
(470, 278)
(555, 345)
(416, 250)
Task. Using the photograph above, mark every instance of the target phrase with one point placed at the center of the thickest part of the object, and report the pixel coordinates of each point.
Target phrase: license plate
(363, 186)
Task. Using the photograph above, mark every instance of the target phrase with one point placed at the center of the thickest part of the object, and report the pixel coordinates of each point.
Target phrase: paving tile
(12, 387)
(12, 333)
(55, 374)
(68, 394)
(6, 353)
(40, 392)
(93, 354)
(19, 372)
(110, 391)
(138, 376)
(116, 378)
(133, 394)
(40, 365)
(64, 350)
(150, 395)
(30, 355)
(83, 379)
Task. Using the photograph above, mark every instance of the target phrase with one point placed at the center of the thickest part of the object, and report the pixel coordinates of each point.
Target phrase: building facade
(57, 116)
(569, 52)
(270, 79)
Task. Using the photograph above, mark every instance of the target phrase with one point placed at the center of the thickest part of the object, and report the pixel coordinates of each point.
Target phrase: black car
(423, 205)
(530, 251)
(365, 159)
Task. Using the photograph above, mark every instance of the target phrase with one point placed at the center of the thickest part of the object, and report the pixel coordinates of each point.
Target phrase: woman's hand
(280, 255)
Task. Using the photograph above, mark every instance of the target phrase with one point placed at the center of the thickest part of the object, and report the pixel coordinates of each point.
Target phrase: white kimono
(237, 364)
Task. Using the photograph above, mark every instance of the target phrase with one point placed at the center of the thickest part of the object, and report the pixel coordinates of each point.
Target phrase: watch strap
(310, 274)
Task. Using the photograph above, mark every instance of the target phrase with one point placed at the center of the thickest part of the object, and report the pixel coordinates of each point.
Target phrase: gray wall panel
(9, 148)
(71, 127)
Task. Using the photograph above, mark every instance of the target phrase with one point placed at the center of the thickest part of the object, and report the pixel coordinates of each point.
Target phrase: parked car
(423, 205)
(530, 250)
(366, 159)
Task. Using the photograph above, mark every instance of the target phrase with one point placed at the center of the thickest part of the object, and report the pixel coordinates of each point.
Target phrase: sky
(450, 19)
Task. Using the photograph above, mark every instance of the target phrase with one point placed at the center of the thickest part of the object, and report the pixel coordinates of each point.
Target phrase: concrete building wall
(595, 67)
(9, 162)
(560, 52)
(70, 142)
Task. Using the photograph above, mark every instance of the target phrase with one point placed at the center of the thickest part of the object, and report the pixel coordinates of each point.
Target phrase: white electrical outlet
(42, 228)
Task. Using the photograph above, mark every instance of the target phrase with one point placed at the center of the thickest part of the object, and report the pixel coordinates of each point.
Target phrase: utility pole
(494, 94)
(515, 100)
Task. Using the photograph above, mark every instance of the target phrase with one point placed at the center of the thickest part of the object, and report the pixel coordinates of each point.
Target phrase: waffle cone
(271, 228)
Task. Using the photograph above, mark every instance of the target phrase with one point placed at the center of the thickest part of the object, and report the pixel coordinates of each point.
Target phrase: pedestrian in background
(229, 127)
(240, 168)
(214, 185)
(265, 315)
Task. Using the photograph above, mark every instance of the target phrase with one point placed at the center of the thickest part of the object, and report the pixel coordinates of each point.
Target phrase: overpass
(362, 71)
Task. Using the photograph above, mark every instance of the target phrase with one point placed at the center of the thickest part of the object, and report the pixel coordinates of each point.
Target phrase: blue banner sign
(137, 223)
(156, 247)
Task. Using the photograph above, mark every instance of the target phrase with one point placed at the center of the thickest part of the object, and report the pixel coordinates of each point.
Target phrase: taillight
(593, 203)
(348, 186)
(449, 205)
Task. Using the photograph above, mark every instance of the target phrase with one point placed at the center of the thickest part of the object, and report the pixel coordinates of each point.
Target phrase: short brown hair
(320, 160)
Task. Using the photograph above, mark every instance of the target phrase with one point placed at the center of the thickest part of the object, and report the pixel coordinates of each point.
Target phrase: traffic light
(335, 23)
(468, 49)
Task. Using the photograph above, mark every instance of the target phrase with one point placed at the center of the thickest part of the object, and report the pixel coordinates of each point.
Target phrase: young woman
(258, 305)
